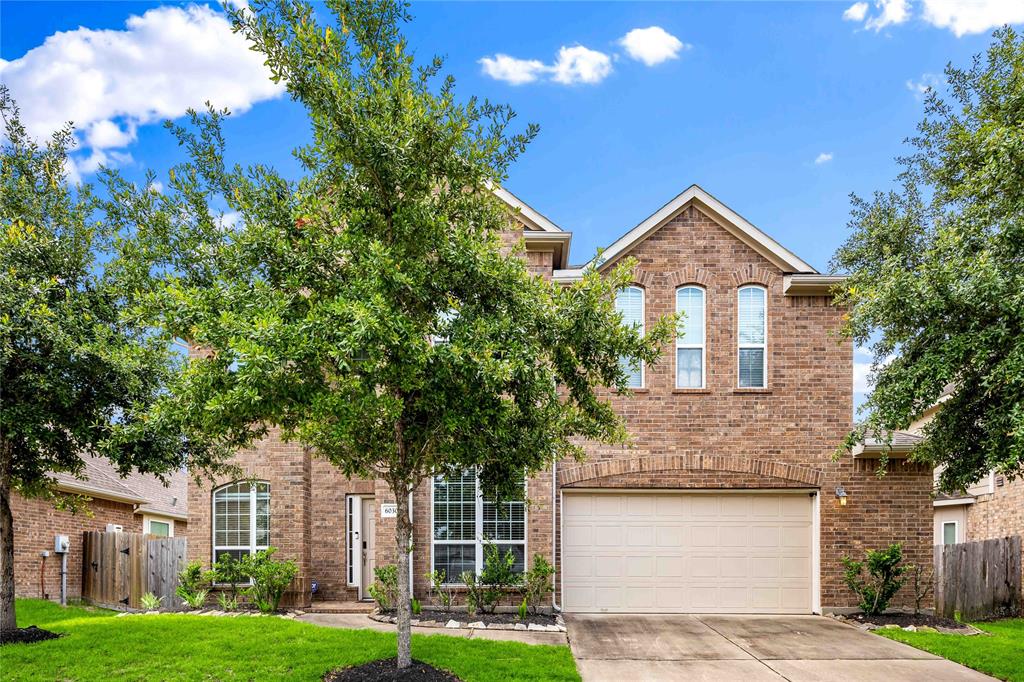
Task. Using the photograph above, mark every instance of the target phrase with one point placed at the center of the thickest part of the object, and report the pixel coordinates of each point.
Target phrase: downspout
(554, 526)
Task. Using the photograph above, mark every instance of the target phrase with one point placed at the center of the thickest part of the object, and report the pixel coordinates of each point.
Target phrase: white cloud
(856, 12)
(963, 17)
(823, 157)
(511, 70)
(887, 13)
(920, 88)
(891, 12)
(577, 64)
(652, 45)
(109, 82)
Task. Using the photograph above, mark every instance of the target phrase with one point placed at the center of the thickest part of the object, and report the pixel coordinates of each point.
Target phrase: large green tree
(372, 309)
(937, 275)
(78, 374)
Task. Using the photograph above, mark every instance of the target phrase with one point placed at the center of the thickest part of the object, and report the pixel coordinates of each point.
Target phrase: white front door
(687, 552)
(367, 540)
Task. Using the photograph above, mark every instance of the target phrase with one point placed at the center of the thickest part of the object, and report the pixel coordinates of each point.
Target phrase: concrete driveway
(748, 648)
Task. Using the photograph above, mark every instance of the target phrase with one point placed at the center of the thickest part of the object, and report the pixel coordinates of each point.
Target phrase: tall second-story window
(752, 332)
(690, 337)
(629, 302)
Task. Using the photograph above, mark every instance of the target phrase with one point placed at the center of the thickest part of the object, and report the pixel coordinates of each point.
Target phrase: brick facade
(997, 514)
(36, 522)
(782, 436)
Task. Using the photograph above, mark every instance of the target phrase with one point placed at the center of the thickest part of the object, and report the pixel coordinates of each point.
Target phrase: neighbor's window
(690, 337)
(629, 302)
(949, 533)
(241, 519)
(159, 528)
(752, 333)
(464, 522)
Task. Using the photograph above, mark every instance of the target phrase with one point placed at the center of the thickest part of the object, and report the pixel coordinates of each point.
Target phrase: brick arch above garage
(739, 470)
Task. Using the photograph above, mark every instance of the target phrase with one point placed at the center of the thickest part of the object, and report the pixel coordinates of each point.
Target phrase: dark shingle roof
(99, 478)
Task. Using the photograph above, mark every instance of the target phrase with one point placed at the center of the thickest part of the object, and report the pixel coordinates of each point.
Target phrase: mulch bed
(905, 619)
(384, 670)
(26, 635)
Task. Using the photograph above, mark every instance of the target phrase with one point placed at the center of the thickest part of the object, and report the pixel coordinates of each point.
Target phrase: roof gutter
(810, 284)
(92, 491)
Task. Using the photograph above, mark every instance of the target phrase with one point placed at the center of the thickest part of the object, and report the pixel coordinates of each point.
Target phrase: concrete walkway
(356, 621)
(747, 648)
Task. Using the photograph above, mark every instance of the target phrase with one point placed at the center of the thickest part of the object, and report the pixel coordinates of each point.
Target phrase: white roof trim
(568, 275)
(83, 488)
(957, 502)
(810, 284)
(532, 216)
(736, 224)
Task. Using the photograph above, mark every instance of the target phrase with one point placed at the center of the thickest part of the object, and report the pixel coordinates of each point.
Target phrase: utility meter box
(61, 544)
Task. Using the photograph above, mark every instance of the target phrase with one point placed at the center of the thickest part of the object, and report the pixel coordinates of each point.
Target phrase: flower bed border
(465, 624)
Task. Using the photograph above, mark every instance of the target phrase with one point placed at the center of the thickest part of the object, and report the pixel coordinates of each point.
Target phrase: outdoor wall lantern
(841, 496)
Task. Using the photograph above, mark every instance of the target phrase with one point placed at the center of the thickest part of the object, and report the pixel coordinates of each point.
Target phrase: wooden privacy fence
(118, 568)
(979, 580)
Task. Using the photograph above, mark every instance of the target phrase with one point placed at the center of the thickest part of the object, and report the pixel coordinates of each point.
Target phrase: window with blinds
(629, 303)
(752, 335)
(690, 337)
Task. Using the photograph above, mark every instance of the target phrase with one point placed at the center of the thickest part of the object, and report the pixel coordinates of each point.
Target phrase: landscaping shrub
(417, 608)
(498, 577)
(884, 577)
(150, 602)
(537, 582)
(193, 584)
(384, 589)
(229, 571)
(270, 578)
(226, 602)
(440, 593)
(474, 592)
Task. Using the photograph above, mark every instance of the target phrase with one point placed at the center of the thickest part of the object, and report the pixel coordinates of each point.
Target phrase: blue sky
(781, 110)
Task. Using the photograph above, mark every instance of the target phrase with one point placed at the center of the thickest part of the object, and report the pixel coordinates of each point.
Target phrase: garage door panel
(679, 552)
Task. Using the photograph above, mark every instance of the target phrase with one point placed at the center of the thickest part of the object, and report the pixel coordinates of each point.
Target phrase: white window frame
(740, 346)
(703, 338)
(642, 326)
(956, 531)
(147, 520)
(252, 547)
(478, 532)
(353, 541)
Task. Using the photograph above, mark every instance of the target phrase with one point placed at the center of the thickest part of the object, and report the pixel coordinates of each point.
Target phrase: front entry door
(367, 538)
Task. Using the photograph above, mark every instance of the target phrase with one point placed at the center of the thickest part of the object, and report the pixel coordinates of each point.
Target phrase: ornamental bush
(270, 578)
(193, 584)
(883, 580)
(384, 589)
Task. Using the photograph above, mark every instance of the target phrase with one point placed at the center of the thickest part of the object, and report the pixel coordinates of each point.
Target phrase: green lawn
(1000, 655)
(100, 646)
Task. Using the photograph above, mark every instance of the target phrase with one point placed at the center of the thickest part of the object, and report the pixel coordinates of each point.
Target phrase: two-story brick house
(728, 500)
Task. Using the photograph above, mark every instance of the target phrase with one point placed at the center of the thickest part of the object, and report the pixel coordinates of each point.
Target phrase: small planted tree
(373, 310)
(882, 580)
(270, 578)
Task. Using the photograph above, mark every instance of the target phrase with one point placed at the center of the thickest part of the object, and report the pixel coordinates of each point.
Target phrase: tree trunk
(7, 619)
(403, 540)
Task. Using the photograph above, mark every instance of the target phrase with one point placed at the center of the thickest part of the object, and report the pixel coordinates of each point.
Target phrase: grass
(100, 646)
(1000, 655)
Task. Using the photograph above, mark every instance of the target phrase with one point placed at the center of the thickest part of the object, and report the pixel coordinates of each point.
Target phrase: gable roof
(733, 222)
(531, 217)
(99, 478)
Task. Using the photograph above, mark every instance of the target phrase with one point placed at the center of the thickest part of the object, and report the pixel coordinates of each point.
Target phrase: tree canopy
(78, 374)
(937, 275)
(378, 309)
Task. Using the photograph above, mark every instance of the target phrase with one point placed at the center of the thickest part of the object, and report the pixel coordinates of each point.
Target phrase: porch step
(341, 607)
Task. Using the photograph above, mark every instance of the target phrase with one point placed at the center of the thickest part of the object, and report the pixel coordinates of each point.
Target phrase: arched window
(241, 518)
(752, 335)
(690, 337)
(629, 302)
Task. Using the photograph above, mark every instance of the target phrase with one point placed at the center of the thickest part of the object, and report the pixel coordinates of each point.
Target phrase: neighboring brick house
(138, 503)
(728, 499)
(991, 508)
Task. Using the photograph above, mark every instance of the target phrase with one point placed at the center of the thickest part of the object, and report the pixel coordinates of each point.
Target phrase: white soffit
(733, 222)
(533, 218)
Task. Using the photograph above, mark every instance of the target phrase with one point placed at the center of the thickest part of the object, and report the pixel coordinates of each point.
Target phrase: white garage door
(687, 552)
